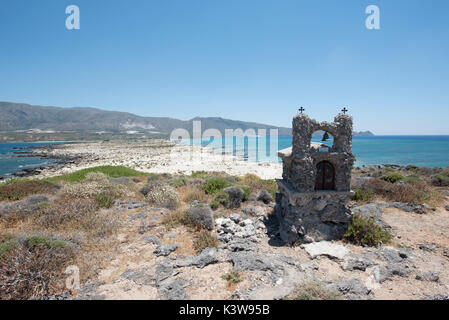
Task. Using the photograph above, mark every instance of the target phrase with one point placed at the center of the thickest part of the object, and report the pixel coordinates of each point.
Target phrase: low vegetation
(19, 189)
(221, 199)
(364, 231)
(416, 192)
(72, 225)
(363, 195)
(34, 268)
(204, 239)
(215, 184)
(109, 171)
(175, 219)
(255, 184)
(161, 193)
(232, 276)
(95, 184)
(392, 177)
(313, 290)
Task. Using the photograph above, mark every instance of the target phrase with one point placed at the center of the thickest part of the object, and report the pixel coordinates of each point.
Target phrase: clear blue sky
(252, 60)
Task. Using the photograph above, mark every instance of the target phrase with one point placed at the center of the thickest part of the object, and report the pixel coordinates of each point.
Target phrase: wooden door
(325, 176)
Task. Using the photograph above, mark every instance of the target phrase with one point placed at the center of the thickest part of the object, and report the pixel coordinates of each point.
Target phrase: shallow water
(11, 162)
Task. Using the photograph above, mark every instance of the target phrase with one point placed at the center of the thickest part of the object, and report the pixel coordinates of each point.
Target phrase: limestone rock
(173, 290)
(254, 211)
(430, 247)
(326, 248)
(165, 249)
(427, 276)
(151, 239)
(243, 261)
(206, 257)
(235, 217)
(353, 286)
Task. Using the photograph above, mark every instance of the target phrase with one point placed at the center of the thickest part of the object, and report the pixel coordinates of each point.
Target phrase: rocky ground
(152, 263)
(132, 240)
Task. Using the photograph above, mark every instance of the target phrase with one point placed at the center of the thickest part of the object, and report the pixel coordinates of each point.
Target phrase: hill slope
(19, 116)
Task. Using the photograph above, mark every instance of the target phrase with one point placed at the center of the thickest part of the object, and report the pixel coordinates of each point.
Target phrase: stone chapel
(312, 196)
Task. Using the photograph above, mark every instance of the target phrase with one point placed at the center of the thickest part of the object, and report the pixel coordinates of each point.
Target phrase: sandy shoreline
(158, 156)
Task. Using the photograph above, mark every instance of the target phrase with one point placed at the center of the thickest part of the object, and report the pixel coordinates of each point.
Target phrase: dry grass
(204, 239)
(314, 290)
(189, 194)
(33, 271)
(175, 219)
(78, 215)
(417, 192)
(256, 184)
(20, 189)
(95, 184)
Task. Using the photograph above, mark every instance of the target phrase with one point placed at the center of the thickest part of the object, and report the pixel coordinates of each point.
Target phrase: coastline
(39, 151)
(155, 156)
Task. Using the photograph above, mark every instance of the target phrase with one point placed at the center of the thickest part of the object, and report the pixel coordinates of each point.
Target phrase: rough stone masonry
(315, 188)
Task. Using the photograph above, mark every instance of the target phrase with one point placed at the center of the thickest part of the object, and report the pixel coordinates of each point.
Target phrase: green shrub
(153, 177)
(445, 172)
(109, 171)
(256, 184)
(412, 178)
(215, 184)
(363, 194)
(42, 241)
(200, 174)
(6, 246)
(104, 200)
(246, 192)
(220, 200)
(314, 290)
(204, 239)
(365, 231)
(232, 276)
(179, 182)
(392, 177)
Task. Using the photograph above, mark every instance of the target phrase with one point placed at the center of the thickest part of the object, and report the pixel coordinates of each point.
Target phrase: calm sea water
(11, 162)
(402, 150)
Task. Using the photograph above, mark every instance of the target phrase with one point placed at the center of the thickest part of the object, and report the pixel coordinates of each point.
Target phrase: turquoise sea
(402, 150)
(11, 162)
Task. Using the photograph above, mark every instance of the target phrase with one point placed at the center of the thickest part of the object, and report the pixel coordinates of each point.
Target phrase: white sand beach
(158, 156)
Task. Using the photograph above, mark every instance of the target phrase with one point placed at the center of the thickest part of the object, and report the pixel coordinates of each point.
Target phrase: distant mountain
(363, 134)
(18, 116)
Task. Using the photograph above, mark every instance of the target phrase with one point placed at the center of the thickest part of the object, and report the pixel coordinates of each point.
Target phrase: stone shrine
(316, 184)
